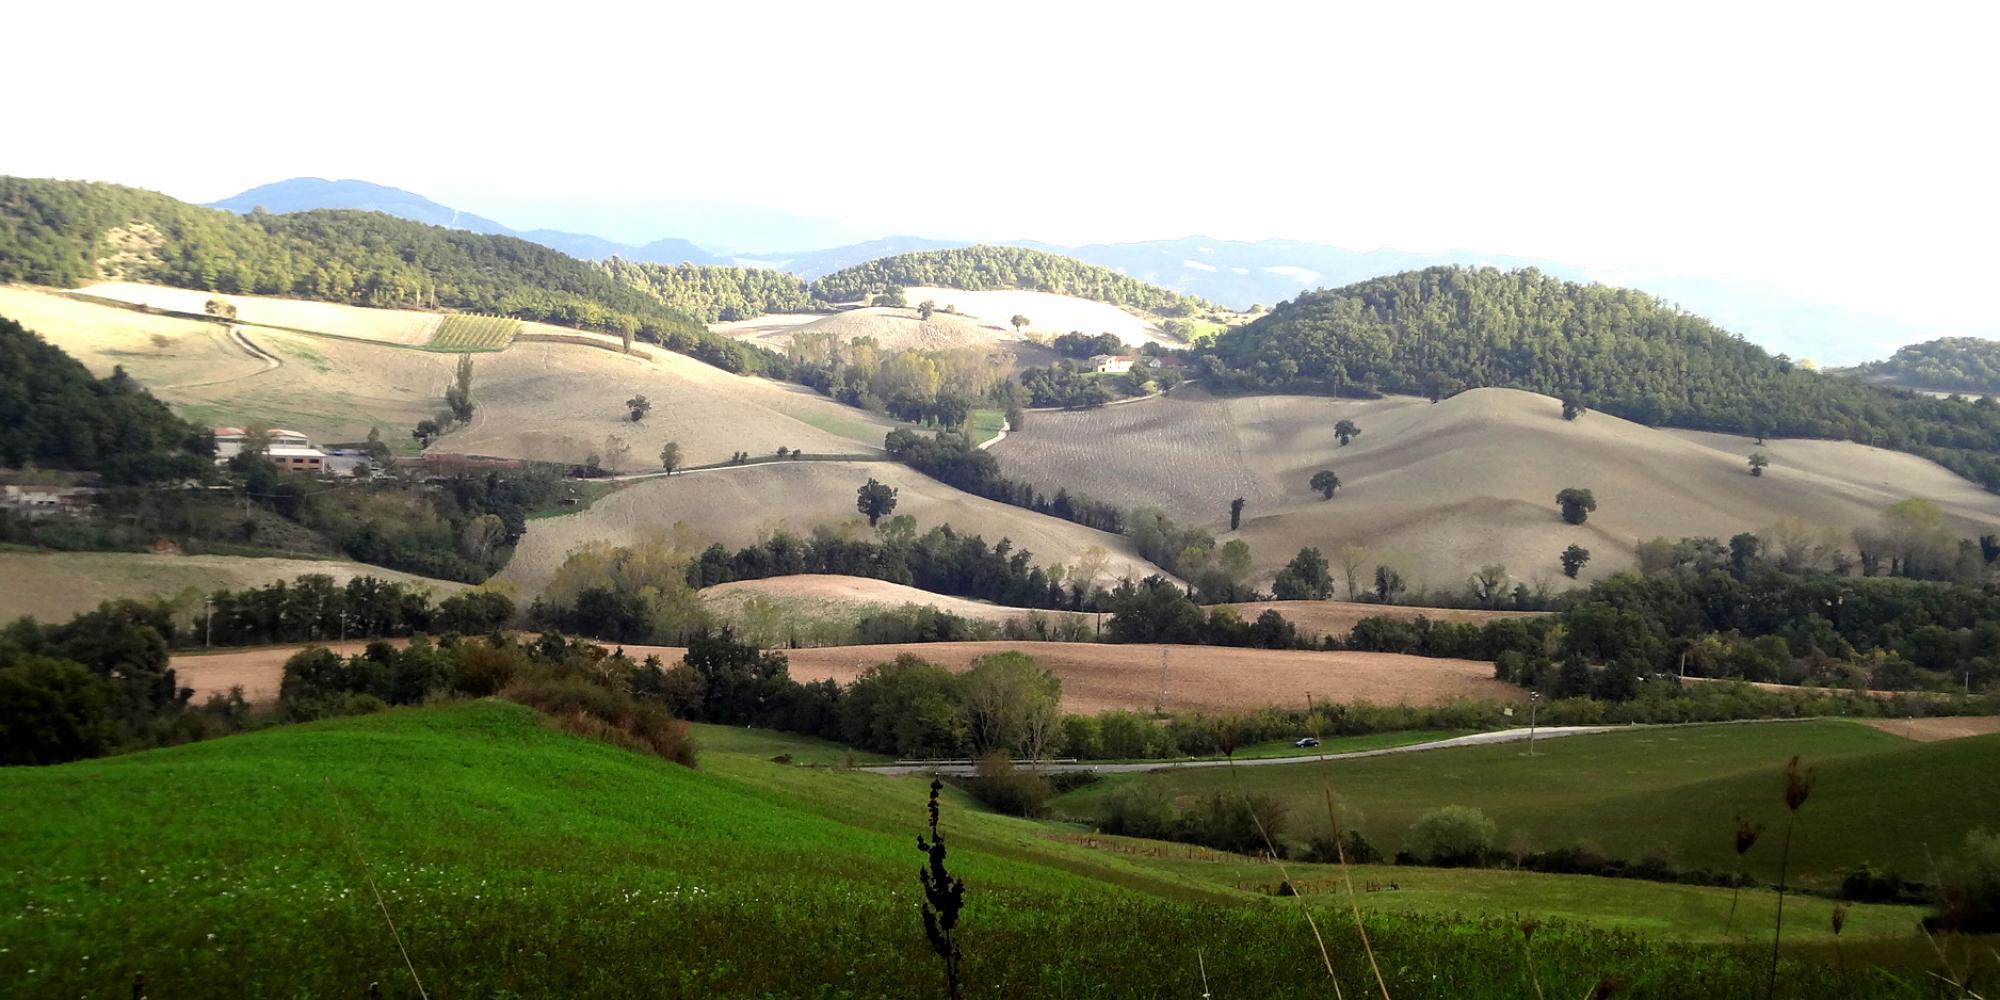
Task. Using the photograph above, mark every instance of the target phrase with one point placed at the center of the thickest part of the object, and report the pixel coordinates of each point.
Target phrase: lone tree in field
(925, 309)
(1758, 461)
(1573, 408)
(944, 896)
(1346, 430)
(1324, 482)
(875, 501)
(640, 406)
(1576, 504)
(1235, 513)
(219, 307)
(1019, 321)
(670, 456)
(1573, 559)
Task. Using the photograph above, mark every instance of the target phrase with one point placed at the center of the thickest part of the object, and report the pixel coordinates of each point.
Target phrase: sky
(1842, 150)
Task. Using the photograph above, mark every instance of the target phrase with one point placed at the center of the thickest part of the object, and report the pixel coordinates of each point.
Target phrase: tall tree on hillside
(1388, 583)
(670, 456)
(458, 398)
(1576, 504)
(925, 309)
(1573, 559)
(616, 451)
(1235, 513)
(1353, 559)
(875, 501)
(1346, 430)
(1573, 408)
(639, 407)
(1019, 321)
(1758, 462)
(1324, 482)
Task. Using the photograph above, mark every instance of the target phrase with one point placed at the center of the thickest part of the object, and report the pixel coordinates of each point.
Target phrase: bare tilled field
(1943, 728)
(739, 505)
(1438, 491)
(834, 593)
(55, 586)
(1318, 618)
(407, 327)
(560, 402)
(1211, 678)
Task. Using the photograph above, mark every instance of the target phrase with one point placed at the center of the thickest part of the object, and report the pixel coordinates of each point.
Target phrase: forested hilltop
(716, 294)
(1949, 364)
(67, 233)
(1443, 329)
(978, 268)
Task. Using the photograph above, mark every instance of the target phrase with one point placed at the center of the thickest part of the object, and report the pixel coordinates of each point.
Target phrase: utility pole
(1534, 702)
(208, 622)
(1160, 706)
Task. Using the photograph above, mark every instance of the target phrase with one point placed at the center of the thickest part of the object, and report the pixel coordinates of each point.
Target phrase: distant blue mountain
(301, 194)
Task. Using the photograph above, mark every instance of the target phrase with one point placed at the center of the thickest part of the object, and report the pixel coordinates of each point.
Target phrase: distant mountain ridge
(301, 194)
(1230, 272)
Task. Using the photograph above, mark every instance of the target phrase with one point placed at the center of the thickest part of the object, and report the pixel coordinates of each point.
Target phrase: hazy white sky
(1844, 150)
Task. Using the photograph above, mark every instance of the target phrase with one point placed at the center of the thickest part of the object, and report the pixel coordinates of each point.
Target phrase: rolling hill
(986, 267)
(1438, 490)
(1949, 364)
(738, 505)
(1626, 352)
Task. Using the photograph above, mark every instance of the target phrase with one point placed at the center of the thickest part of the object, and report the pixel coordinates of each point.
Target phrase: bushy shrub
(1868, 884)
(998, 783)
(53, 711)
(599, 712)
(484, 670)
(1354, 849)
(1243, 824)
(1968, 892)
(1453, 836)
(1141, 810)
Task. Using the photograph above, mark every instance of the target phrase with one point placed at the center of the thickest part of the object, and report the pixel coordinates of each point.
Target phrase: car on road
(1307, 742)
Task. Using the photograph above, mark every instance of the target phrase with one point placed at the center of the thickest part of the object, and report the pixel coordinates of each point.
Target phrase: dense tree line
(713, 293)
(978, 268)
(1948, 364)
(1624, 352)
(55, 414)
(933, 387)
(951, 459)
(67, 233)
(941, 560)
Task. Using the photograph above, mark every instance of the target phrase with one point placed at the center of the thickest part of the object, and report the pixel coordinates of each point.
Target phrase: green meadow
(518, 860)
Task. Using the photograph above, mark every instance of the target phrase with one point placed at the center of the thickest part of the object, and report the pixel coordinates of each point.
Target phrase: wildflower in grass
(1798, 787)
(1746, 838)
(944, 897)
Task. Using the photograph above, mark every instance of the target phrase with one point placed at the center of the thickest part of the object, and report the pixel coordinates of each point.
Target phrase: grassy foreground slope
(521, 861)
(1669, 792)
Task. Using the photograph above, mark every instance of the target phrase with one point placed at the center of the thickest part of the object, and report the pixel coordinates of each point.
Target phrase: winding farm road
(1475, 739)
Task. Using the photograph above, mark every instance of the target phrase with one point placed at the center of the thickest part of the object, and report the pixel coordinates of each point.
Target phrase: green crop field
(983, 425)
(467, 332)
(518, 860)
(1669, 792)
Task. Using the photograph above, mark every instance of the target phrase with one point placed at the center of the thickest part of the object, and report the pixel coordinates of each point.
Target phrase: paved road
(1476, 739)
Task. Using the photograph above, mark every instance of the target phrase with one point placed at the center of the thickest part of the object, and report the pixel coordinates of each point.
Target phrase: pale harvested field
(1211, 678)
(390, 326)
(1318, 618)
(740, 505)
(160, 351)
(819, 590)
(1943, 728)
(560, 402)
(56, 586)
(1440, 490)
(1048, 314)
(892, 330)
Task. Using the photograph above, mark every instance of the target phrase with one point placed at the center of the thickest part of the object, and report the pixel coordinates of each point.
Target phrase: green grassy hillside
(521, 861)
(1670, 792)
